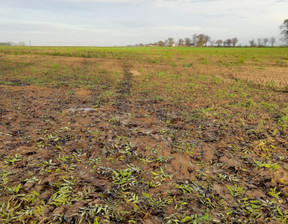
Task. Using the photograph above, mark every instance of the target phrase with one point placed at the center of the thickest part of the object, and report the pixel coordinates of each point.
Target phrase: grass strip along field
(143, 135)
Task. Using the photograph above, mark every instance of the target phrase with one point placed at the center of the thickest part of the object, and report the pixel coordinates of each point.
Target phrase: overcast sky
(123, 22)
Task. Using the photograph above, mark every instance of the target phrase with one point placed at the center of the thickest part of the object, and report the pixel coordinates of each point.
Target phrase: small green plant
(283, 122)
(184, 147)
(188, 65)
(195, 219)
(162, 175)
(185, 188)
(223, 177)
(70, 93)
(282, 216)
(31, 198)
(158, 202)
(63, 195)
(12, 160)
(241, 60)
(115, 121)
(56, 66)
(180, 204)
(273, 166)
(163, 159)
(63, 158)
(235, 191)
(15, 189)
(152, 184)
(248, 104)
(95, 162)
(273, 193)
(94, 212)
(8, 83)
(203, 60)
(128, 149)
(124, 178)
(4, 178)
(8, 211)
(173, 219)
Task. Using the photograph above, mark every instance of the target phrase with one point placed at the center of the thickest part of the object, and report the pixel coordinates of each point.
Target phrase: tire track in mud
(124, 90)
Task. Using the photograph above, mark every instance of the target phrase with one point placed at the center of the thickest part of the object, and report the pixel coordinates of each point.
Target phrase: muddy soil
(70, 158)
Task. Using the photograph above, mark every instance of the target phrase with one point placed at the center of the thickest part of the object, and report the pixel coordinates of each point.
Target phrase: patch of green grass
(203, 60)
(9, 83)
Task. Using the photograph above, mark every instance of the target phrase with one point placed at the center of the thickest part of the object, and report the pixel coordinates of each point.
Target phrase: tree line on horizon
(203, 40)
(13, 44)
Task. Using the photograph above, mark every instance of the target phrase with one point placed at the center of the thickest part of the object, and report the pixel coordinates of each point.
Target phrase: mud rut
(124, 90)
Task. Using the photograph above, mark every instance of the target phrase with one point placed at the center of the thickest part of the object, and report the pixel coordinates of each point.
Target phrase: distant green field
(261, 63)
(275, 53)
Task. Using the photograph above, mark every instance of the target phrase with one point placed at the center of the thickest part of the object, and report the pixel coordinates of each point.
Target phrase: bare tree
(160, 43)
(272, 41)
(259, 41)
(180, 42)
(252, 43)
(187, 42)
(194, 39)
(228, 42)
(170, 42)
(207, 39)
(265, 41)
(200, 41)
(284, 31)
(219, 42)
(234, 41)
